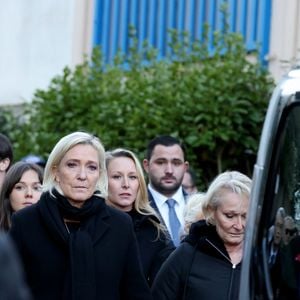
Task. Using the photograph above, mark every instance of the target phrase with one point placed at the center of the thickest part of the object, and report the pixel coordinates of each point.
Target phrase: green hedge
(215, 102)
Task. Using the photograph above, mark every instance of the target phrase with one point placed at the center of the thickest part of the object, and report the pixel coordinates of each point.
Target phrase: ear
(146, 165)
(210, 210)
(4, 164)
(55, 171)
(211, 213)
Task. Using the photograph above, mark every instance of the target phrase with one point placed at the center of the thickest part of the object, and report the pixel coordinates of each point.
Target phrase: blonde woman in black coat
(207, 264)
(127, 191)
(73, 246)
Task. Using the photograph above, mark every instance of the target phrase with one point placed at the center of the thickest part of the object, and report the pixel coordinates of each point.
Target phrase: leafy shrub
(215, 102)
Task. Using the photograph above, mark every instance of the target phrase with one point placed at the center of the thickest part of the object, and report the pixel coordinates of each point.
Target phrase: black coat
(154, 250)
(199, 268)
(46, 259)
(12, 284)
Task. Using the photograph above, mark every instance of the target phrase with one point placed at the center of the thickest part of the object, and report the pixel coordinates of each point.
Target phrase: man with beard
(165, 165)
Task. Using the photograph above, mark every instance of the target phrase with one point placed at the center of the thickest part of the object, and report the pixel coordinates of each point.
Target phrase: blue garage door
(152, 20)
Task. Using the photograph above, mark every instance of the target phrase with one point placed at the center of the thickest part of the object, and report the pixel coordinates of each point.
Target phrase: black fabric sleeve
(134, 285)
(167, 247)
(12, 284)
(170, 280)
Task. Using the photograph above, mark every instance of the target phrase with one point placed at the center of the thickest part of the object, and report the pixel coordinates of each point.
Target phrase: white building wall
(38, 39)
(285, 37)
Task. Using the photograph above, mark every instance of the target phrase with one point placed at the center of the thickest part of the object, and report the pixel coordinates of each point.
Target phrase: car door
(271, 262)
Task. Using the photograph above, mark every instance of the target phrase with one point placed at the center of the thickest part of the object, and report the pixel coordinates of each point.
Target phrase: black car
(271, 263)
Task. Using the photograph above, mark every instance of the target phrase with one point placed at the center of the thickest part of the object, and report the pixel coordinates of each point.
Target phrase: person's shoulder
(181, 254)
(4, 241)
(28, 211)
(119, 215)
(120, 222)
(6, 247)
(185, 248)
(26, 218)
(146, 218)
(198, 230)
(11, 276)
(146, 224)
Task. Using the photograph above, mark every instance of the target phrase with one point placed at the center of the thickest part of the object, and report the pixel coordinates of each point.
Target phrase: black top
(154, 249)
(200, 268)
(57, 263)
(12, 284)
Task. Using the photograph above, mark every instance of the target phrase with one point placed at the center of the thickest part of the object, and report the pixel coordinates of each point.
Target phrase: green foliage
(7, 121)
(214, 102)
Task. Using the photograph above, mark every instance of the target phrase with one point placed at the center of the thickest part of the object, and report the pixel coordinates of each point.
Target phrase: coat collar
(96, 224)
(205, 238)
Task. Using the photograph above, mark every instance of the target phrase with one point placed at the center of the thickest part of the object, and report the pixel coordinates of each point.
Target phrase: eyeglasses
(291, 231)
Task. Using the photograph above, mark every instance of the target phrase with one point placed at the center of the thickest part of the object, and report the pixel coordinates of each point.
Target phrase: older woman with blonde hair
(127, 191)
(72, 245)
(207, 264)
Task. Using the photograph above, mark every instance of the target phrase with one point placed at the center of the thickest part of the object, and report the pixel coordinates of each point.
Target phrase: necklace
(71, 225)
(67, 228)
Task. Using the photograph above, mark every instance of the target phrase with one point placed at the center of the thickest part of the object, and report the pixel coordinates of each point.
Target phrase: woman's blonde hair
(193, 210)
(141, 203)
(59, 151)
(233, 181)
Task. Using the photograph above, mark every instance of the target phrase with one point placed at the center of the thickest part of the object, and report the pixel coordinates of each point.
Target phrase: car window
(281, 211)
(275, 266)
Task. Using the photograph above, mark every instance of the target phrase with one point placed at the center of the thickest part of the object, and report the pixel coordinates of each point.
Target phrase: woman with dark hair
(22, 186)
(127, 191)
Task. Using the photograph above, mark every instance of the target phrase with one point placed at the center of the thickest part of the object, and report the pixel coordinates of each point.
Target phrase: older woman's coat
(200, 268)
(42, 242)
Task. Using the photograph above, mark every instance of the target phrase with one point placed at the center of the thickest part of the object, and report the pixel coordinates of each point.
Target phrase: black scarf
(80, 281)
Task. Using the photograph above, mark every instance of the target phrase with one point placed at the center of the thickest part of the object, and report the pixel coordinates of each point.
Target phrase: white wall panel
(37, 39)
(285, 36)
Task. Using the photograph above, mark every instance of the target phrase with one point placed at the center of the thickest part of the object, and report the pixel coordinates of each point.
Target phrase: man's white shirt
(160, 201)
